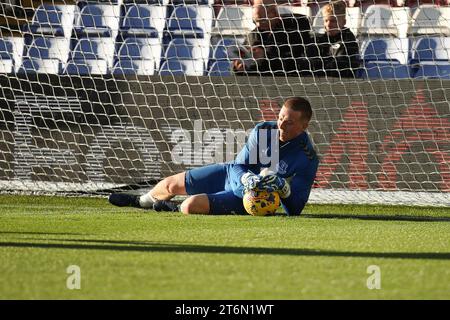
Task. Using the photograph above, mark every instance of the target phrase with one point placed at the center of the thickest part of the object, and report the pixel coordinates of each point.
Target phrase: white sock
(147, 200)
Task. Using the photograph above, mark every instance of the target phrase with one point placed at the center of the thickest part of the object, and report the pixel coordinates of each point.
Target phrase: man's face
(262, 15)
(333, 24)
(290, 124)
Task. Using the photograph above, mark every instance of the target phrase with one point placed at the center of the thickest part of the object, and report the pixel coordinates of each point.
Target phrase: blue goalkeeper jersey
(297, 163)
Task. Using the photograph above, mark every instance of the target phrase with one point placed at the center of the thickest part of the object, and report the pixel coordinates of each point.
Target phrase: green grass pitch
(134, 254)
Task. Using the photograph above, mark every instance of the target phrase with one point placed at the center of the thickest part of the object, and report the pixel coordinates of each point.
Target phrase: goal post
(379, 141)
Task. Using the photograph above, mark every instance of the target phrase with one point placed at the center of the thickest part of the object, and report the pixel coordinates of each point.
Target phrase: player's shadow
(376, 217)
(137, 246)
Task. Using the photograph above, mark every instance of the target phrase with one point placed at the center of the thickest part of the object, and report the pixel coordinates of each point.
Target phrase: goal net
(115, 95)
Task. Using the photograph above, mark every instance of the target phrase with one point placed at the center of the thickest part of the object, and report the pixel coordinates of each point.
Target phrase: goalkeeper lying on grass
(219, 188)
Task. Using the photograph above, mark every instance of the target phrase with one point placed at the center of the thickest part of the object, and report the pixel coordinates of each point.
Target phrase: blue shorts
(212, 180)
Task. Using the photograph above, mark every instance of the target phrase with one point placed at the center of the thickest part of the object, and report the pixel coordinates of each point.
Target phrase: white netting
(97, 95)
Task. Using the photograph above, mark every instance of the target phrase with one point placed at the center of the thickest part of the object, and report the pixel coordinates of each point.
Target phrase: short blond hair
(336, 8)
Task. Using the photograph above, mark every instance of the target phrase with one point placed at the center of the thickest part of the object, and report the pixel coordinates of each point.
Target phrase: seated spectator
(275, 43)
(336, 53)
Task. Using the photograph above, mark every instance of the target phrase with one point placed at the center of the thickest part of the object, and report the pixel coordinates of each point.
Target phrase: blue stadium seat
(386, 70)
(98, 20)
(191, 21)
(144, 20)
(431, 49)
(219, 52)
(226, 49)
(197, 49)
(47, 20)
(6, 56)
(86, 67)
(52, 20)
(390, 49)
(430, 57)
(92, 55)
(140, 49)
(15, 47)
(386, 58)
(48, 66)
(143, 51)
(187, 2)
(220, 68)
(192, 54)
(137, 67)
(46, 55)
(181, 67)
(436, 70)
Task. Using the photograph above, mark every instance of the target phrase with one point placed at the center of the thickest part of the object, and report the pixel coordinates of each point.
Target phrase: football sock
(147, 200)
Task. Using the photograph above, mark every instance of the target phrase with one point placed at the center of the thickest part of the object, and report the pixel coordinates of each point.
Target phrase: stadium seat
(141, 49)
(46, 55)
(191, 21)
(6, 56)
(436, 70)
(353, 17)
(385, 70)
(48, 66)
(386, 49)
(385, 20)
(98, 20)
(144, 20)
(431, 49)
(92, 55)
(137, 67)
(186, 55)
(430, 20)
(54, 20)
(17, 50)
(220, 68)
(430, 57)
(234, 20)
(86, 67)
(225, 48)
(82, 3)
(182, 67)
(188, 2)
(225, 51)
(188, 49)
(386, 58)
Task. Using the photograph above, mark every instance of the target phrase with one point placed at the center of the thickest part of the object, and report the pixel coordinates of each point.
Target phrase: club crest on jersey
(282, 167)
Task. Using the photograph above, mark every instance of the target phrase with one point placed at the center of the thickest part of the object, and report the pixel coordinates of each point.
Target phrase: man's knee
(197, 204)
(175, 185)
(186, 206)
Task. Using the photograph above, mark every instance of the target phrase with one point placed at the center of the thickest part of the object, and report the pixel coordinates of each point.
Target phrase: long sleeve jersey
(295, 160)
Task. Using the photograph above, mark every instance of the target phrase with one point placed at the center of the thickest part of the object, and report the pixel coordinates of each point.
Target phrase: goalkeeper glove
(250, 181)
(272, 182)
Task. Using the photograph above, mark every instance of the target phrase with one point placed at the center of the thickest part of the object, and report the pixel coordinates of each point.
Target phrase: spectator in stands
(275, 43)
(336, 53)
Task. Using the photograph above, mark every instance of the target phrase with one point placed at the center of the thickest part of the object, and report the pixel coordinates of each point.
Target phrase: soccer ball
(260, 202)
